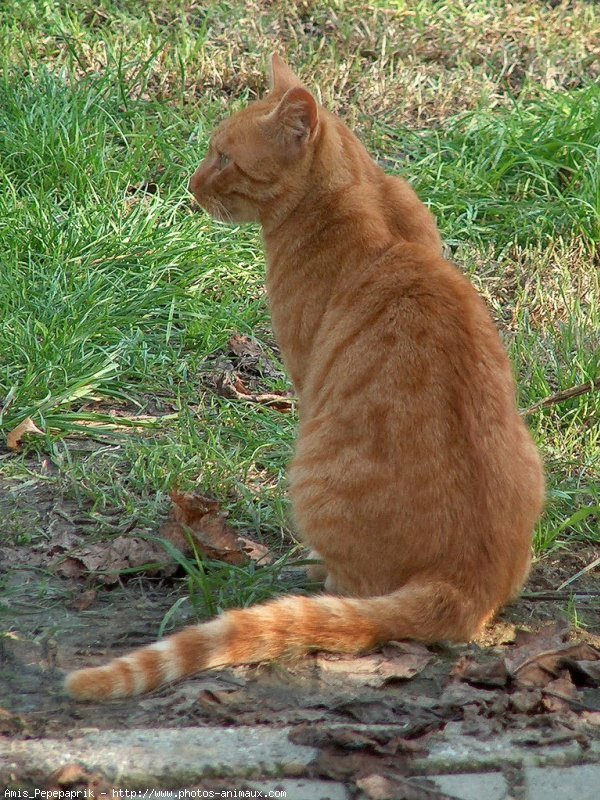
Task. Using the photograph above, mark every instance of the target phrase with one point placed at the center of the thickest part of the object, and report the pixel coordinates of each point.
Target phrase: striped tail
(286, 626)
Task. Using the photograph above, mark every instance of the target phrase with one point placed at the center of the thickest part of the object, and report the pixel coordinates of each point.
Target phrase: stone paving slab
(567, 783)
(455, 752)
(286, 789)
(461, 767)
(476, 786)
(302, 789)
(167, 758)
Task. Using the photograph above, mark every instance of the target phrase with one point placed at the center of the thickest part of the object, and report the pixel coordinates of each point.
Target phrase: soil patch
(55, 625)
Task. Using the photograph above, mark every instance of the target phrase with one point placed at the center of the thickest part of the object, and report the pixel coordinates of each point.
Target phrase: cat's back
(415, 312)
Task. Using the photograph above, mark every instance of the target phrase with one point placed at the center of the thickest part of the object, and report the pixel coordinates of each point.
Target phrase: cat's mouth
(216, 209)
(213, 207)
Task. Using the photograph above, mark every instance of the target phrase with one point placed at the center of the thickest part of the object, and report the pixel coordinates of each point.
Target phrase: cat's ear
(297, 115)
(281, 77)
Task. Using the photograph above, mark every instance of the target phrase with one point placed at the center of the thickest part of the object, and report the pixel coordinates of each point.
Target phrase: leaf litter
(242, 372)
(371, 715)
(542, 660)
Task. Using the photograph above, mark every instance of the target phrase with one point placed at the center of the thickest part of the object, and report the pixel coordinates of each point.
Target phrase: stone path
(266, 761)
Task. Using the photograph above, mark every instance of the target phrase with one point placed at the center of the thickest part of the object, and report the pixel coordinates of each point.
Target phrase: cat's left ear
(297, 115)
(281, 76)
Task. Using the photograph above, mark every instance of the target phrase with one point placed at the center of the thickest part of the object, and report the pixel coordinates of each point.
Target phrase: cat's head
(258, 158)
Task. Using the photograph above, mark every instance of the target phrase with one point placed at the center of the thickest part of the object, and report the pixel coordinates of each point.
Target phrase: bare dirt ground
(57, 623)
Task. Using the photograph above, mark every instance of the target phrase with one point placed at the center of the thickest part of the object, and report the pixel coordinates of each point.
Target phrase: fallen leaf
(585, 673)
(459, 695)
(558, 693)
(231, 385)
(376, 669)
(393, 787)
(382, 741)
(493, 674)
(540, 668)
(255, 551)
(531, 642)
(538, 660)
(244, 346)
(200, 518)
(105, 560)
(369, 712)
(74, 780)
(403, 660)
(69, 567)
(15, 437)
(85, 600)
(252, 359)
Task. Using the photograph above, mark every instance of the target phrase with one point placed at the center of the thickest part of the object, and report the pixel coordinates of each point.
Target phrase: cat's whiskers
(219, 212)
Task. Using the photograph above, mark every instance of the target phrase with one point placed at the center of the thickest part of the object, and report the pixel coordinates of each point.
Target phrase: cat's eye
(223, 160)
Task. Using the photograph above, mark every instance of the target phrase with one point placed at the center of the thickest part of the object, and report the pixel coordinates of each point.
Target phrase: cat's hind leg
(316, 572)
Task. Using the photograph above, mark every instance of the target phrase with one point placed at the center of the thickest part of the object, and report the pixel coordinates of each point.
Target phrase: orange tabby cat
(414, 478)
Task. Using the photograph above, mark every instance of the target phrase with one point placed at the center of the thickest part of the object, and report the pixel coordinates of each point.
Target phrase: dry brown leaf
(558, 693)
(392, 787)
(85, 600)
(201, 518)
(494, 674)
(70, 568)
(105, 560)
(255, 551)
(77, 781)
(540, 668)
(585, 673)
(244, 346)
(15, 437)
(530, 642)
(231, 385)
(459, 695)
(376, 669)
(541, 661)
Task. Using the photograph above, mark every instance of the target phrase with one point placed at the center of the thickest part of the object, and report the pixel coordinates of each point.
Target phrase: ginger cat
(414, 479)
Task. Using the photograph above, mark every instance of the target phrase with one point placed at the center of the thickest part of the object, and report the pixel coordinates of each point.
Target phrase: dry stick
(581, 572)
(566, 394)
(575, 595)
(575, 703)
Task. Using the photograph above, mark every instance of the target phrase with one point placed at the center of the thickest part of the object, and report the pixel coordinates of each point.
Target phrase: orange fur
(414, 478)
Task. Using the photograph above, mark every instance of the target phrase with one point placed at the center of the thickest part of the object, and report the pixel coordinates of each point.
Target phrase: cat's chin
(219, 213)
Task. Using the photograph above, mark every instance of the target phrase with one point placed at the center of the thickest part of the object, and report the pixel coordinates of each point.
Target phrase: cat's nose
(195, 183)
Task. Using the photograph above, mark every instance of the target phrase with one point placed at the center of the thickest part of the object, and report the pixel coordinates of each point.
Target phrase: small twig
(565, 394)
(558, 595)
(230, 385)
(581, 572)
(575, 703)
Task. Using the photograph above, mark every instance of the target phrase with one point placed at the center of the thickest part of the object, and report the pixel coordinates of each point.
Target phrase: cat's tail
(425, 611)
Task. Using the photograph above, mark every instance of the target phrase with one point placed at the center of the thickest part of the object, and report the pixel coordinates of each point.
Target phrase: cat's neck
(320, 233)
(343, 218)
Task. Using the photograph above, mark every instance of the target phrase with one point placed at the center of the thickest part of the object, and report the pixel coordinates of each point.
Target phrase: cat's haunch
(414, 477)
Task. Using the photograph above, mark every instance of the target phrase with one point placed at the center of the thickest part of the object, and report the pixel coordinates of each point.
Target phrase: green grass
(115, 293)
